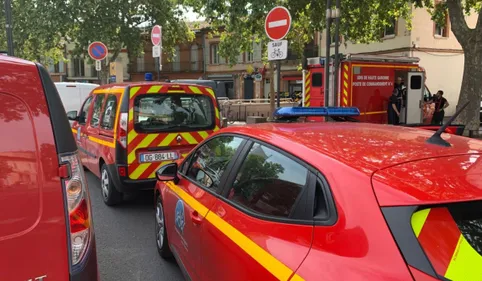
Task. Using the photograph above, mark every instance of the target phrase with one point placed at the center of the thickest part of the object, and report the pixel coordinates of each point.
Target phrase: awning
(292, 77)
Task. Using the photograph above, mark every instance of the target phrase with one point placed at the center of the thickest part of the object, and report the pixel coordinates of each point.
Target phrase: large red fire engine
(366, 82)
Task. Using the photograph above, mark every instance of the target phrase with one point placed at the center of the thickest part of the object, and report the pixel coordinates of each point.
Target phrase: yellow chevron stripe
(140, 169)
(189, 138)
(465, 262)
(345, 83)
(203, 134)
(134, 91)
(418, 220)
(153, 174)
(167, 140)
(131, 136)
(210, 91)
(154, 89)
(345, 92)
(195, 90)
(345, 101)
(345, 75)
(217, 112)
(346, 67)
(131, 114)
(144, 143)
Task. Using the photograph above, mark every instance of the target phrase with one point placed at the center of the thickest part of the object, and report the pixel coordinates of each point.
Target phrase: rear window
(444, 241)
(173, 112)
(451, 237)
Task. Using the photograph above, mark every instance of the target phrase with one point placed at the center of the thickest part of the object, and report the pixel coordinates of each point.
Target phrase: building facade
(436, 46)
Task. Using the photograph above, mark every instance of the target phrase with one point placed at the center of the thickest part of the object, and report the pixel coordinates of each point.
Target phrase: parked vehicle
(46, 228)
(73, 94)
(323, 201)
(367, 81)
(125, 132)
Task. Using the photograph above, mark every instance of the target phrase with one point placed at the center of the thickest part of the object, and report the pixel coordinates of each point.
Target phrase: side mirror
(167, 172)
(72, 115)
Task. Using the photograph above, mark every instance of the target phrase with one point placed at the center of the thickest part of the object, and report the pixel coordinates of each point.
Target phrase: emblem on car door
(179, 139)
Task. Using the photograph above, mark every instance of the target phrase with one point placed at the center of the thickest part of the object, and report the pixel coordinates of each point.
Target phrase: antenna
(436, 138)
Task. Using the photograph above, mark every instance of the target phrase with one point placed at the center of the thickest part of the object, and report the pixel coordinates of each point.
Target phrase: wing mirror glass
(72, 115)
(167, 172)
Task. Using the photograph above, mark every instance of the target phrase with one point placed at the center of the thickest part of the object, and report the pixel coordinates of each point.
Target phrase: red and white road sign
(278, 23)
(156, 35)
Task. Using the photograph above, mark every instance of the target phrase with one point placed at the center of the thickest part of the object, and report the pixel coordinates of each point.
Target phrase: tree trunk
(471, 89)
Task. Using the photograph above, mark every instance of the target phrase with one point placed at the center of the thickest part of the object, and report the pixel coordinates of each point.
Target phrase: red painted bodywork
(359, 246)
(33, 230)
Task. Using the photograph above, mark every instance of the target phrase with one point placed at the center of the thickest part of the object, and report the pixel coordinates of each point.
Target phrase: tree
(36, 38)
(124, 24)
(361, 22)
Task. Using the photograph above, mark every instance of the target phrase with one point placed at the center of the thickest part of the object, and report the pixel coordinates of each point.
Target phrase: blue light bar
(316, 111)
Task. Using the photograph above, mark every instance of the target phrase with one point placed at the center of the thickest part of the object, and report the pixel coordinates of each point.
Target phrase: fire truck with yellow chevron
(366, 82)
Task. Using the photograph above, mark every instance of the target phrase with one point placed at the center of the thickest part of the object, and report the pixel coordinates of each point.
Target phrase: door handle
(196, 219)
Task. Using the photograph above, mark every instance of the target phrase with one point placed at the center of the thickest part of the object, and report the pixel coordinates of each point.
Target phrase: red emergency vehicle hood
(430, 181)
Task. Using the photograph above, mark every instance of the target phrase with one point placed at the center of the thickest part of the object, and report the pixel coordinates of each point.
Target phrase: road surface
(125, 237)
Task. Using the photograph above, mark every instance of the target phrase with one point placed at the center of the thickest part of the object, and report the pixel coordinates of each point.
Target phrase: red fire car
(323, 201)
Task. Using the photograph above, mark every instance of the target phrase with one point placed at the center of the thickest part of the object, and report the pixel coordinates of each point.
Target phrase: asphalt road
(126, 241)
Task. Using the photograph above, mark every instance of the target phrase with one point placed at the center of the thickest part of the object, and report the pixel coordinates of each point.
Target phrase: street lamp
(8, 26)
(330, 15)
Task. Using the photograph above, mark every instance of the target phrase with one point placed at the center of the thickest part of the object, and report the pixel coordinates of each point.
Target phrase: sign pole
(278, 68)
(158, 66)
(9, 27)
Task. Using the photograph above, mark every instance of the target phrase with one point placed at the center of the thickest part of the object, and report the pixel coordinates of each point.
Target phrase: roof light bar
(316, 111)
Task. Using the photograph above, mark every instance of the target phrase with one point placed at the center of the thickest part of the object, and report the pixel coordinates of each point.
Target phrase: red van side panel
(33, 231)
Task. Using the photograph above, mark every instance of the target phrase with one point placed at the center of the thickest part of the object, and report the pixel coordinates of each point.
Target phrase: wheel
(162, 243)
(273, 55)
(109, 193)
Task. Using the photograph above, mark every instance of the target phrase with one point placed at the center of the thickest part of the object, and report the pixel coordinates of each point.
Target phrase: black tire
(162, 243)
(110, 194)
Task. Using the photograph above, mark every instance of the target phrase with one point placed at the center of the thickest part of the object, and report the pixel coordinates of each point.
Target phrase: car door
(92, 144)
(202, 177)
(262, 226)
(78, 128)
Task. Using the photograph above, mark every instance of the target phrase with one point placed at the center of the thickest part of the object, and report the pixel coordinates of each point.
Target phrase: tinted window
(317, 80)
(154, 113)
(99, 100)
(85, 111)
(210, 161)
(268, 182)
(416, 82)
(110, 109)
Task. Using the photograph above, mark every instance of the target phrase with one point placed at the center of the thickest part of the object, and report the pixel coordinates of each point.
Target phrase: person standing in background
(393, 109)
(440, 105)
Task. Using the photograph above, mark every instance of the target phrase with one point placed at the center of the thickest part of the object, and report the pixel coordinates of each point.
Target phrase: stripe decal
(260, 255)
(307, 86)
(447, 249)
(345, 90)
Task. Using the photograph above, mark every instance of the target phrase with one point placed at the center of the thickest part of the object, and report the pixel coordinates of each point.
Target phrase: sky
(191, 16)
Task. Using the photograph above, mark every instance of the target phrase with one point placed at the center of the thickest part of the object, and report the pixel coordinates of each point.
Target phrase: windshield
(451, 237)
(173, 112)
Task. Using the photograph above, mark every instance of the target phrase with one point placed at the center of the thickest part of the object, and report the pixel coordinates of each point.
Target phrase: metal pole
(158, 66)
(303, 93)
(9, 27)
(279, 84)
(337, 59)
(328, 44)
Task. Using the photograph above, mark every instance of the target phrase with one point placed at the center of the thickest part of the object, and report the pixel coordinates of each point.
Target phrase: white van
(73, 94)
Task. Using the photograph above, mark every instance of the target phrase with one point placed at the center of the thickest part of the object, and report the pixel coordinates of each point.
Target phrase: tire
(110, 194)
(162, 243)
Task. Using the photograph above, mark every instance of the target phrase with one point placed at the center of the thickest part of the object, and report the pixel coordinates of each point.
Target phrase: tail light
(78, 207)
(123, 130)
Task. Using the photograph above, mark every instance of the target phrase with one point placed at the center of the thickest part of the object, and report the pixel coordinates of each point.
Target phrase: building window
(194, 58)
(140, 63)
(176, 64)
(79, 67)
(390, 30)
(215, 54)
(241, 58)
(249, 56)
(442, 30)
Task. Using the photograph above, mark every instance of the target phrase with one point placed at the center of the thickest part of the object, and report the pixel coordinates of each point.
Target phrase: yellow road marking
(264, 258)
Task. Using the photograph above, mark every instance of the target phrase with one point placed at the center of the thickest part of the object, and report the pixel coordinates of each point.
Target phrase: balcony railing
(183, 66)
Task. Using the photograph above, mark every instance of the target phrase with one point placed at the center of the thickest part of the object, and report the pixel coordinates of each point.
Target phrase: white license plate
(157, 156)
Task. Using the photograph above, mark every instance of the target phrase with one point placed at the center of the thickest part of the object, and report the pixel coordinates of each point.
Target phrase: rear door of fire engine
(414, 98)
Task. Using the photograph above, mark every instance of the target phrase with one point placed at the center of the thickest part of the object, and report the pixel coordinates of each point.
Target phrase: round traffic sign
(277, 23)
(98, 50)
(156, 35)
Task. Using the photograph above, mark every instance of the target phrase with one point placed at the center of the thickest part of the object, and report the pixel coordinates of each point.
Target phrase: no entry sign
(98, 51)
(278, 23)
(156, 35)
